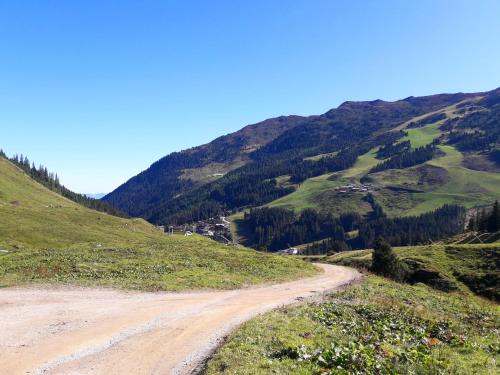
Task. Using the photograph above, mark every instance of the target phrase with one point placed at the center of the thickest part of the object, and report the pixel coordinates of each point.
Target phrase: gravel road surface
(102, 331)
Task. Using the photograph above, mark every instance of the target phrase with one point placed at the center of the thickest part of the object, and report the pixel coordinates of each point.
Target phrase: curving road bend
(102, 331)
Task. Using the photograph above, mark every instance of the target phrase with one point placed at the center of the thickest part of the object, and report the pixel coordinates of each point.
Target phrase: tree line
(277, 228)
(407, 158)
(427, 120)
(412, 230)
(471, 141)
(478, 130)
(326, 247)
(392, 149)
(51, 181)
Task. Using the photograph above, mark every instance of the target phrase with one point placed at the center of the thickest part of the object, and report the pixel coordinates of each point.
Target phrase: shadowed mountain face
(353, 121)
(240, 169)
(183, 171)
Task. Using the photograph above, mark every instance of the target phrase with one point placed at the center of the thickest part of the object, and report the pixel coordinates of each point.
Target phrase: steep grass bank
(465, 268)
(45, 238)
(379, 327)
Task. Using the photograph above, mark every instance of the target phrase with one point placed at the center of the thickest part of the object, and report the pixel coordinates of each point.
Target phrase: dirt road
(99, 331)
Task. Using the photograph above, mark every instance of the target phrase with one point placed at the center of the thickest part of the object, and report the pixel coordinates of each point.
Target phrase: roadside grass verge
(379, 327)
(176, 263)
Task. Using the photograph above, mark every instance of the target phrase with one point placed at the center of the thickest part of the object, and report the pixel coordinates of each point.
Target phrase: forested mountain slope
(180, 172)
(254, 172)
(398, 167)
(447, 158)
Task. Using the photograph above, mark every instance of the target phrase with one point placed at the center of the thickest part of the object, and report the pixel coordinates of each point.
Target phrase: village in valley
(216, 228)
(354, 188)
(219, 228)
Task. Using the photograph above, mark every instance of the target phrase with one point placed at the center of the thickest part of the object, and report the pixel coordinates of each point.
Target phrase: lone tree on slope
(386, 263)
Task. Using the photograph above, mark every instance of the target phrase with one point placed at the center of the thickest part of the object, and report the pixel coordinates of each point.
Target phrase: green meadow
(457, 185)
(45, 238)
(461, 185)
(419, 137)
(319, 192)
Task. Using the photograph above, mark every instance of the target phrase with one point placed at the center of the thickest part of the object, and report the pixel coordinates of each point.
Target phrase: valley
(417, 172)
(250, 188)
(410, 158)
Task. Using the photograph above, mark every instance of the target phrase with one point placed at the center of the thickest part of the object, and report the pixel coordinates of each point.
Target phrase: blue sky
(98, 90)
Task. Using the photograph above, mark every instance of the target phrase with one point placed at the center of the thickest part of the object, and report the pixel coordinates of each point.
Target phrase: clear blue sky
(98, 90)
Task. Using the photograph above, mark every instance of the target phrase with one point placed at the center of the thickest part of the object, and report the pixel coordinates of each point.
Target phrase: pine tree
(482, 221)
(472, 226)
(51, 181)
(493, 221)
(386, 263)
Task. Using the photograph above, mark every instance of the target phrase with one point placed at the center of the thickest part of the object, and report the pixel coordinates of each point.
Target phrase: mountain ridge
(242, 169)
(230, 150)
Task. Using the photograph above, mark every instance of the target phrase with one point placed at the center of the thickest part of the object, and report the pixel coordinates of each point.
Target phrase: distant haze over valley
(95, 195)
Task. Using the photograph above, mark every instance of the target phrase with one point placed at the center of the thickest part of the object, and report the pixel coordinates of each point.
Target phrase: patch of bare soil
(480, 163)
(432, 176)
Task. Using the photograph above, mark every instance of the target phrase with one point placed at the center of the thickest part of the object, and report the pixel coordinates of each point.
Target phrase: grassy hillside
(449, 181)
(379, 326)
(464, 268)
(319, 192)
(423, 136)
(239, 170)
(446, 179)
(47, 238)
(33, 216)
(210, 172)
